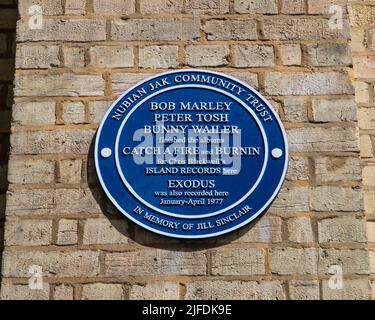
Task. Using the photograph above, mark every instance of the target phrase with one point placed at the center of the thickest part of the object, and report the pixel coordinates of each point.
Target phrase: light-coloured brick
(334, 110)
(336, 199)
(114, 7)
(305, 84)
(370, 39)
(73, 113)
(324, 6)
(49, 8)
(267, 230)
(123, 81)
(329, 54)
(34, 113)
(48, 142)
(276, 105)
(238, 261)
(372, 261)
(23, 202)
(369, 197)
(102, 291)
(234, 290)
(249, 78)
(60, 201)
(291, 54)
(367, 149)
(304, 290)
(155, 29)
(366, 118)
(67, 233)
(369, 176)
(300, 230)
(161, 6)
(155, 262)
(298, 169)
(63, 292)
(362, 92)
(207, 55)
(361, 15)
(70, 171)
(24, 171)
(23, 292)
(158, 57)
(295, 110)
(271, 290)
(143, 237)
(329, 169)
(352, 290)
(74, 57)
(75, 7)
(292, 199)
(288, 261)
(359, 40)
(155, 291)
(296, 29)
(98, 109)
(293, 6)
(370, 227)
(254, 56)
(63, 30)
(231, 29)
(112, 56)
(37, 56)
(28, 232)
(255, 7)
(77, 200)
(319, 139)
(207, 6)
(103, 231)
(364, 67)
(29, 83)
(80, 263)
(347, 229)
(353, 261)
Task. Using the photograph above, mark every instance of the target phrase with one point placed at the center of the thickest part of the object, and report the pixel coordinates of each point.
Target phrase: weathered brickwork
(8, 17)
(363, 29)
(90, 51)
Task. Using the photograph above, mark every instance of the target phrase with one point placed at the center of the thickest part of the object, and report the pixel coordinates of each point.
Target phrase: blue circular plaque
(191, 154)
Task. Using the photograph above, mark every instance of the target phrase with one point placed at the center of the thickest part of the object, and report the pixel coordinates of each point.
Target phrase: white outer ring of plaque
(175, 215)
(180, 236)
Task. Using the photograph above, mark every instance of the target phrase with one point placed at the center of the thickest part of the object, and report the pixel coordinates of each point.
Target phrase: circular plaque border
(98, 154)
(265, 162)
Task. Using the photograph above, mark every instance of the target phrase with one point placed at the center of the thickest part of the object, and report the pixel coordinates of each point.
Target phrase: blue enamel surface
(187, 221)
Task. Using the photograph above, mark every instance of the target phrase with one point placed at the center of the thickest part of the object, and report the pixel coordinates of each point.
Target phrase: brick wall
(86, 55)
(8, 18)
(362, 17)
